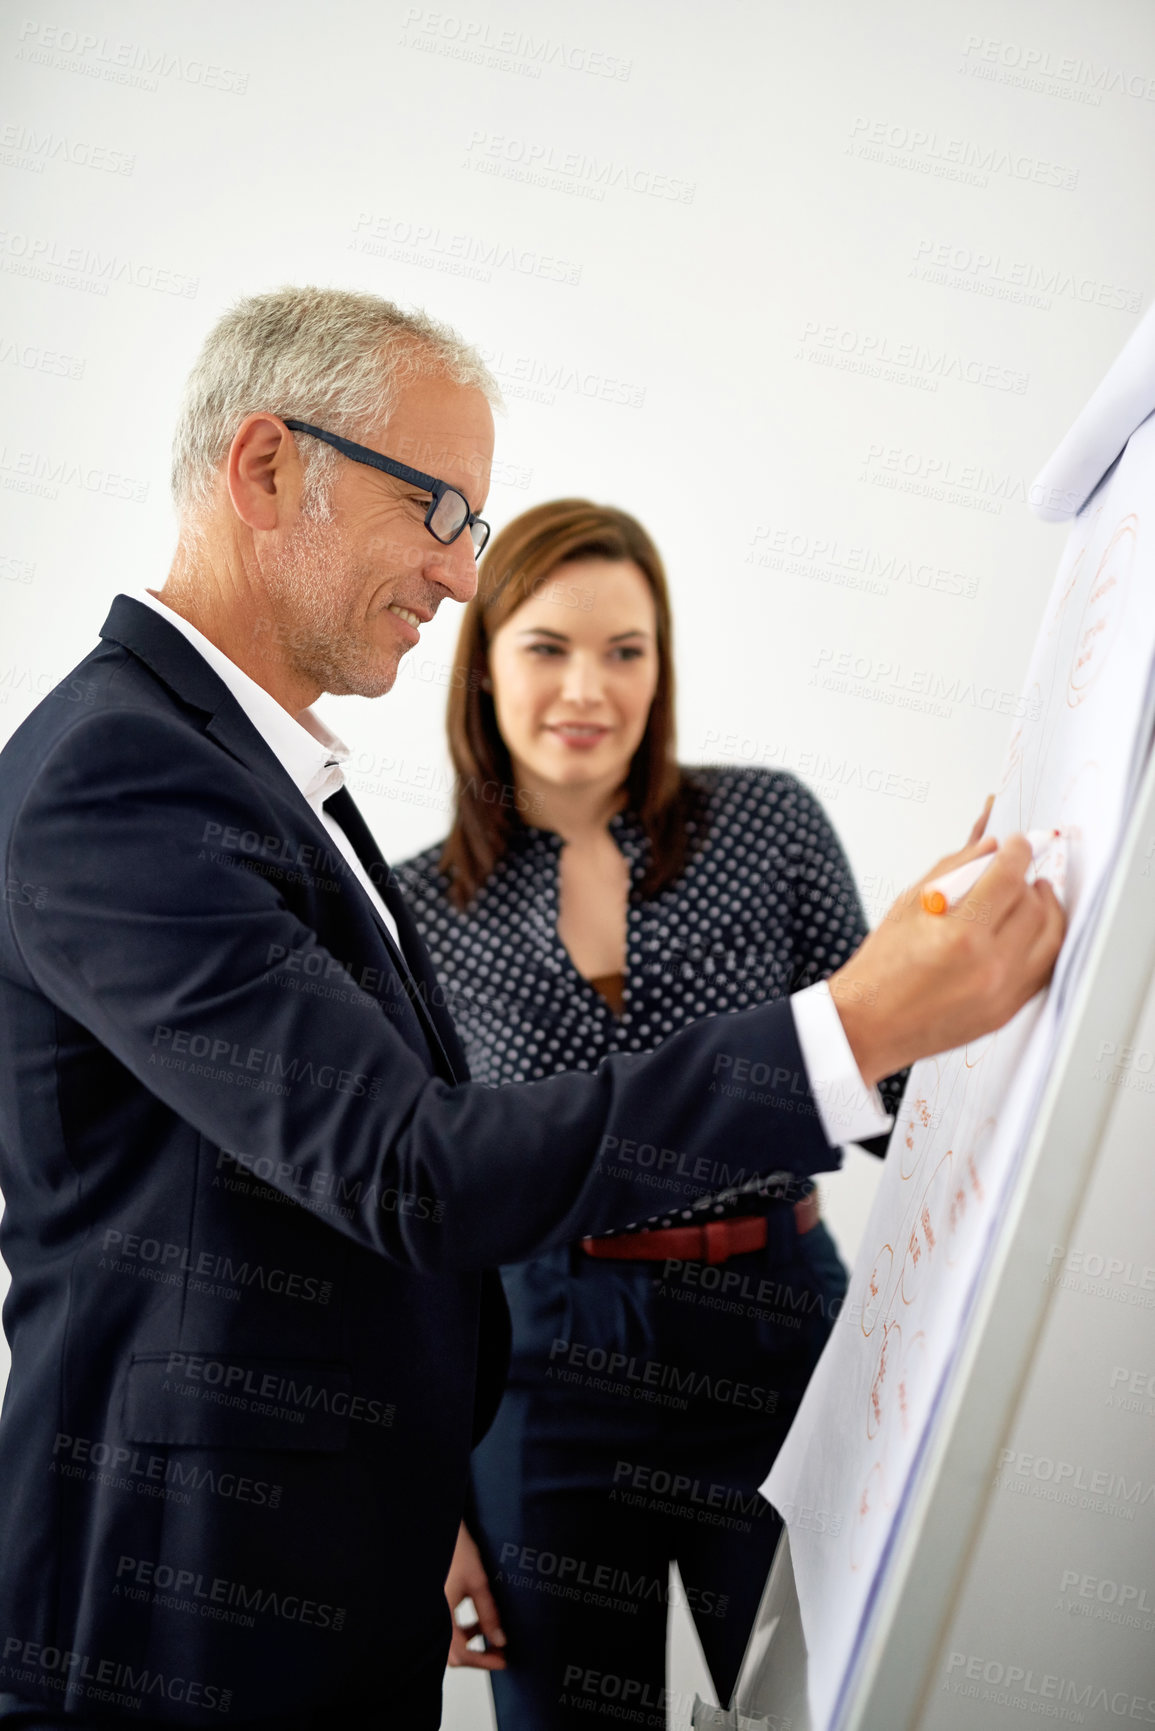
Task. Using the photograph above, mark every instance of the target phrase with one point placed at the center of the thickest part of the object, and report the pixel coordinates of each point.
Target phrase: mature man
(250, 1192)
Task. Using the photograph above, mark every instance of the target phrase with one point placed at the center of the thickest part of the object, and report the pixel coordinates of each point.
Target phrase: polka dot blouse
(765, 905)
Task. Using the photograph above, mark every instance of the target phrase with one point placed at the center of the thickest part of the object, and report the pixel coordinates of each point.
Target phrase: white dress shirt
(312, 755)
(310, 752)
(848, 1110)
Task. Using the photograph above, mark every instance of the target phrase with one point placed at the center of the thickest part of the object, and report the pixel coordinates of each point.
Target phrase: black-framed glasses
(448, 512)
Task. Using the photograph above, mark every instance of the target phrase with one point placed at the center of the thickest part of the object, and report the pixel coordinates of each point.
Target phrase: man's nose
(455, 568)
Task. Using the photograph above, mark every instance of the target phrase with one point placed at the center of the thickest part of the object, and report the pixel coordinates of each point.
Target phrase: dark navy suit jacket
(250, 1200)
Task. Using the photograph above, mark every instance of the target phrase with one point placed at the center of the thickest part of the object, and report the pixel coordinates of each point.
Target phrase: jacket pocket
(207, 1399)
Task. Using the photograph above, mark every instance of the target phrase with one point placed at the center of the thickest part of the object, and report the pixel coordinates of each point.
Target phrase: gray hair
(330, 356)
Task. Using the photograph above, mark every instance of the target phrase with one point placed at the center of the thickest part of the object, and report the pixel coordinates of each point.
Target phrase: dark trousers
(604, 1470)
(389, 1702)
(17, 1715)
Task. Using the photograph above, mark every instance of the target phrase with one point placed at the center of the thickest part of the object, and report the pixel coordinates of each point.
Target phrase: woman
(592, 896)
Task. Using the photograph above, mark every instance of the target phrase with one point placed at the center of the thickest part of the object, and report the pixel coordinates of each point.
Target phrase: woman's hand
(467, 1580)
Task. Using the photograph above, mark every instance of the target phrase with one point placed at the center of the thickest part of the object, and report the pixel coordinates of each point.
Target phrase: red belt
(713, 1241)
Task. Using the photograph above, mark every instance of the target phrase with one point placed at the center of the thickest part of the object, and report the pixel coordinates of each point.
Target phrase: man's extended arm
(194, 974)
(176, 965)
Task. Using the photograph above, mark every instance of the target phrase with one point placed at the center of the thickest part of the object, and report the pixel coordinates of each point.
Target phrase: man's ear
(263, 473)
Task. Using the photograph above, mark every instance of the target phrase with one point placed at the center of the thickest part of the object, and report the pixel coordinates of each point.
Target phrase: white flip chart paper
(843, 1475)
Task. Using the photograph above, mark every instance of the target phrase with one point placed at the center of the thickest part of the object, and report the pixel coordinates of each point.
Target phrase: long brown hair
(512, 569)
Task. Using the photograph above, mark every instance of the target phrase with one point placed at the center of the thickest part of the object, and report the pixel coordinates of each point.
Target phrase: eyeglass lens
(449, 518)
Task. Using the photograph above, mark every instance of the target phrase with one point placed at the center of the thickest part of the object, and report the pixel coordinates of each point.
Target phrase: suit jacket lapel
(420, 980)
(186, 672)
(188, 675)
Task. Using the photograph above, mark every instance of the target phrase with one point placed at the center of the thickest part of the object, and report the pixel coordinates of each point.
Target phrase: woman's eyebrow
(561, 637)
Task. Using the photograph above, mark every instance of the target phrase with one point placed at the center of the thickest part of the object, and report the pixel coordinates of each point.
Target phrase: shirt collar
(625, 826)
(310, 753)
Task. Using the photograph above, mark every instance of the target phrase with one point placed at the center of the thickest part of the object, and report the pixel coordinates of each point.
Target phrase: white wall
(811, 286)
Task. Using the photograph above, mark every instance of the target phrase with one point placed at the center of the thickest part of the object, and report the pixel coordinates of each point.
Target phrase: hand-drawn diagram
(1103, 611)
(877, 1287)
(869, 1518)
(965, 1114)
(915, 1120)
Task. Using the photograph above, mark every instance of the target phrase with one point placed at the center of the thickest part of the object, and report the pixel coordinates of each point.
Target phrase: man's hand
(924, 983)
(467, 1580)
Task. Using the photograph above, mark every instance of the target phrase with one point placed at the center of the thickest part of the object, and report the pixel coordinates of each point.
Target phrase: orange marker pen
(942, 894)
